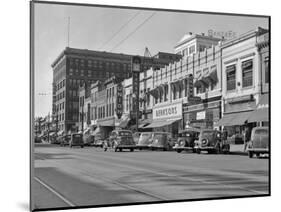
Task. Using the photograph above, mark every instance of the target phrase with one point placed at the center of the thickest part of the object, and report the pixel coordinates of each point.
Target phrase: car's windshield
(124, 133)
(261, 132)
(158, 138)
(207, 133)
(185, 134)
(145, 137)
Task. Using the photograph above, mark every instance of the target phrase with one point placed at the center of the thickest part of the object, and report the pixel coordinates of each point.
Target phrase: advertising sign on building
(136, 68)
(200, 115)
(168, 112)
(119, 100)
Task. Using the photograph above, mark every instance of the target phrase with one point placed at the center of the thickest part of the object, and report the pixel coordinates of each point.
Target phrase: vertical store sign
(190, 85)
(119, 100)
(136, 68)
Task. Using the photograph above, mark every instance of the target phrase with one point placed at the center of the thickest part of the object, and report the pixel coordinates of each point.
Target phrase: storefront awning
(261, 113)
(97, 131)
(161, 123)
(233, 119)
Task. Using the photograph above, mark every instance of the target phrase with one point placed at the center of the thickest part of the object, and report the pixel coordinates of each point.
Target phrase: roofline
(244, 36)
(196, 36)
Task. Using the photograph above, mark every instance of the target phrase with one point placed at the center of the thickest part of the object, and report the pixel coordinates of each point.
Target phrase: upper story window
(230, 77)
(266, 70)
(247, 73)
(191, 49)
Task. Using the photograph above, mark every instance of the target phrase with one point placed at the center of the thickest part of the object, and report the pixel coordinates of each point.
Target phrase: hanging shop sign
(167, 112)
(136, 68)
(119, 101)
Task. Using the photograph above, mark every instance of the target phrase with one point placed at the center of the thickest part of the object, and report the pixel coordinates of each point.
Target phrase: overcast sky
(91, 27)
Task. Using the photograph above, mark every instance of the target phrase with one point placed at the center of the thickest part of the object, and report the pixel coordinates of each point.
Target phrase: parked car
(122, 139)
(211, 141)
(162, 141)
(259, 142)
(37, 139)
(76, 140)
(88, 139)
(58, 139)
(65, 140)
(98, 141)
(136, 137)
(186, 140)
(145, 140)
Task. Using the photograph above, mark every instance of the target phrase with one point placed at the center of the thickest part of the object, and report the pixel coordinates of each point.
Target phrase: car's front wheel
(179, 150)
(250, 153)
(131, 150)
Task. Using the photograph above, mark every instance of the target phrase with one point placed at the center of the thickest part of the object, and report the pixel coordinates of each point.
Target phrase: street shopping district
(211, 94)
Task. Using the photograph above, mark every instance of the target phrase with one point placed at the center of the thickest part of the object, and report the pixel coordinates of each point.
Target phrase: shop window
(230, 77)
(266, 70)
(247, 73)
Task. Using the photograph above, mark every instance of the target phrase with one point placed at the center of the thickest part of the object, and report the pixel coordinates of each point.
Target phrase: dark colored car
(65, 140)
(161, 141)
(122, 139)
(211, 141)
(259, 142)
(98, 141)
(145, 140)
(37, 139)
(186, 140)
(76, 140)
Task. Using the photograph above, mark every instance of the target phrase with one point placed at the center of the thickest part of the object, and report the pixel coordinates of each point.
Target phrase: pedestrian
(105, 145)
(247, 137)
(224, 134)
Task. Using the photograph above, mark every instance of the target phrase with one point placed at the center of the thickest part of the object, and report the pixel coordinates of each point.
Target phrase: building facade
(243, 79)
(74, 67)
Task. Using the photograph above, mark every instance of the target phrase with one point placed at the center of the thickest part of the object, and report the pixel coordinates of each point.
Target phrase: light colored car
(259, 143)
(145, 140)
(161, 141)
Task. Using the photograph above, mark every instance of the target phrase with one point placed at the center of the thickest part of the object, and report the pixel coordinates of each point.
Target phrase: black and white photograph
(136, 105)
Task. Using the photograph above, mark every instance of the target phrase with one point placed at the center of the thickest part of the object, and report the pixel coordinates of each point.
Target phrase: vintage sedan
(76, 140)
(161, 141)
(122, 139)
(211, 141)
(259, 143)
(65, 140)
(186, 140)
(145, 140)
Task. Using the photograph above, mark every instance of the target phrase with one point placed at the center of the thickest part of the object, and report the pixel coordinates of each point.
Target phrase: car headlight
(204, 141)
(182, 143)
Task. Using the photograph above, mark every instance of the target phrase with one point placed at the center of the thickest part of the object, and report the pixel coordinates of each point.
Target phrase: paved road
(90, 176)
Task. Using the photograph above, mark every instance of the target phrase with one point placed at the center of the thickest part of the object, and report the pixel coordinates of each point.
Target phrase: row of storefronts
(223, 86)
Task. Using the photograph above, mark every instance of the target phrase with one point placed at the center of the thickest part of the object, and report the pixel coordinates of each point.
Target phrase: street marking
(55, 192)
(108, 180)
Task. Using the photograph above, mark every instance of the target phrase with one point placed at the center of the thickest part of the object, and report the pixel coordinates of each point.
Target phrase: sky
(91, 27)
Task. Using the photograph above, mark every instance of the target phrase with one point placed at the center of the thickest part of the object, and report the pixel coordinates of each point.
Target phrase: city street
(66, 177)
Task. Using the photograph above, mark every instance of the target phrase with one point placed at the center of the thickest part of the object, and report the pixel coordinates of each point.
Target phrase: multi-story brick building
(74, 67)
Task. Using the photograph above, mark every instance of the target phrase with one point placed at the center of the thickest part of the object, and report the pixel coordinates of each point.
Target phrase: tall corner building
(74, 67)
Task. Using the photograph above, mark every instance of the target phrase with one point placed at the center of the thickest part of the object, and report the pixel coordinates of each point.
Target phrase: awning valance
(233, 119)
(161, 123)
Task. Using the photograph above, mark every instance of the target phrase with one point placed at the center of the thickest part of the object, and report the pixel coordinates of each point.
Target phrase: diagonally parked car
(161, 141)
(211, 141)
(259, 142)
(186, 140)
(65, 140)
(145, 140)
(122, 139)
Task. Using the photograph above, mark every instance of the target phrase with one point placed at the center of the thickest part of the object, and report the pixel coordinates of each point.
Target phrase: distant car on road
(186, 140)
(259, 142)
(65, 140)
(161, 141)
(145, 140)
(122, 139)
(211, 141)
(88, 139)
(98, 141)
(76, 140)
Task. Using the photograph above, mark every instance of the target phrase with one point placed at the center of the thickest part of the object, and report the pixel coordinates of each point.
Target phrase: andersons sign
(167, 112)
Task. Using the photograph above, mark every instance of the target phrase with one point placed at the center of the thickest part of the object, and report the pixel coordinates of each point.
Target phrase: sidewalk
(237, 149)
